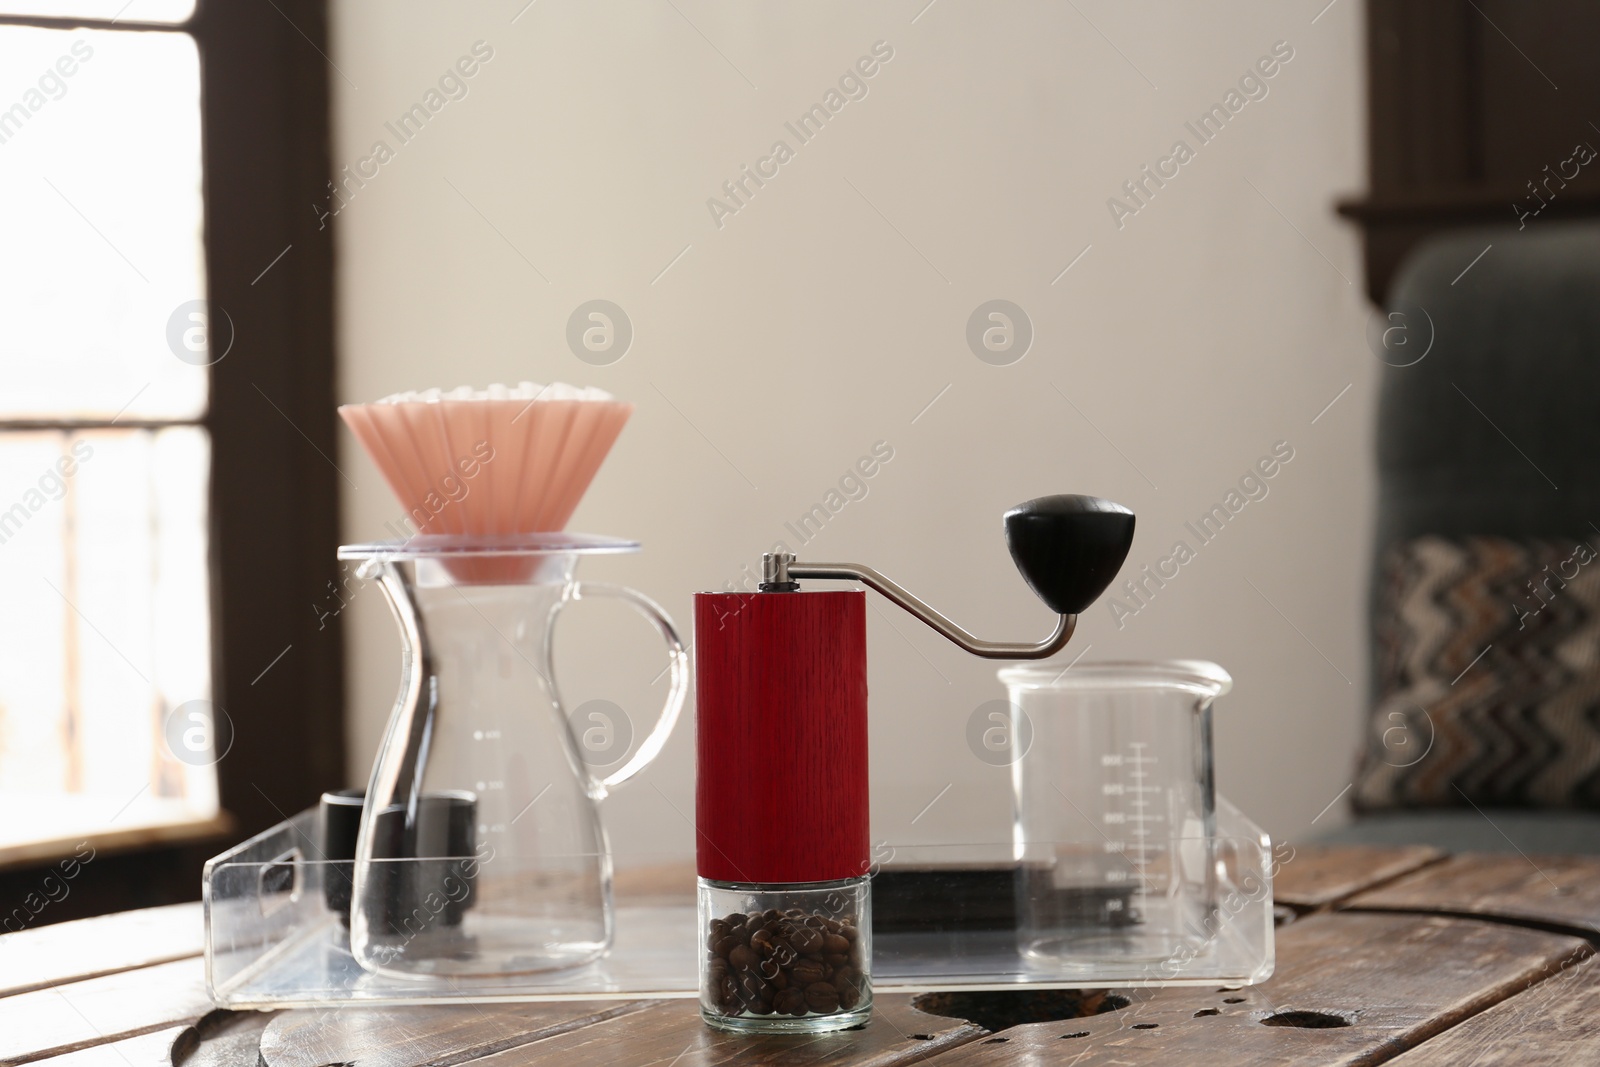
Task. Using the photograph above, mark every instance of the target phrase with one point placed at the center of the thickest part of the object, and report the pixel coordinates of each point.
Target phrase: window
(167, 505)
(104, 458)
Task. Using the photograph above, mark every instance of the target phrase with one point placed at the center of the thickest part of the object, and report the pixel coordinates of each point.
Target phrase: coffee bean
(851, 984)
(822, 998)
(806, 940)
(791, 963)
(790, 1002)
(770, 944)
(753, 988)
(807, 972)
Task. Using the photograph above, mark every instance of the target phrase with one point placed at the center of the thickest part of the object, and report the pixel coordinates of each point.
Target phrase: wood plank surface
(1350, 989)
(1561, 891)
(83, 948)
(146, 1050)
(671, 1032)
(217, 1039)
(1404, 967)
(1319, 875)
(74, 1015)
(437, 1035)
(1554, 1024)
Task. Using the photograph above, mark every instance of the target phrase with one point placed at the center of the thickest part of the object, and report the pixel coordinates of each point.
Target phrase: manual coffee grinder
(781, 803)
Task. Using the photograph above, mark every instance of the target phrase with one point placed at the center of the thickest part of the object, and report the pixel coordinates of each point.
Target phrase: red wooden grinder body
(781, 733)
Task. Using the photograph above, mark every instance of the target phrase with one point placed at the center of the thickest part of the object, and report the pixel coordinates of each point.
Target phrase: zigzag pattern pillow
(1488, 676)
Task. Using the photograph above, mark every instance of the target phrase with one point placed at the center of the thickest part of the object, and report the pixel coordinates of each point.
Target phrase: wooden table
(1398, 955)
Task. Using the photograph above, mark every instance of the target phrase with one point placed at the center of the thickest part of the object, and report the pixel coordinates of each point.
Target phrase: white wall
(828, 312)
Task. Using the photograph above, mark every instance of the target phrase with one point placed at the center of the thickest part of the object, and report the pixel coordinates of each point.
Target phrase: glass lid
(483, 546)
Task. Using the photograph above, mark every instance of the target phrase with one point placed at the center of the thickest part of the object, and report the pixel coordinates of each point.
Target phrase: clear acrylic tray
(943, 920)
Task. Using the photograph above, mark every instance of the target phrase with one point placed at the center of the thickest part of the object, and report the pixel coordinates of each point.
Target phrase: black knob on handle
(1069, 548)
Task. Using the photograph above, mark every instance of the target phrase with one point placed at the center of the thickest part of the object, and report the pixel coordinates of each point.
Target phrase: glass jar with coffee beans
(790, 957)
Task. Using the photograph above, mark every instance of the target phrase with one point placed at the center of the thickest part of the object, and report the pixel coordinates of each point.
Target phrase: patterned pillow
(1488, 676)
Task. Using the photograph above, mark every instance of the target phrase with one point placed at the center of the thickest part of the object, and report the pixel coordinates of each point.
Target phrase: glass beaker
(1115, 816)
(481, 851)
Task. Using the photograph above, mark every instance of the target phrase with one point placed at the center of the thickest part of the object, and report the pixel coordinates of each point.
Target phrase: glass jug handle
(678, 665)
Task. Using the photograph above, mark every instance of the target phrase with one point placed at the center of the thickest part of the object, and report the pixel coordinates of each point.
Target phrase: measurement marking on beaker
(1136, 850)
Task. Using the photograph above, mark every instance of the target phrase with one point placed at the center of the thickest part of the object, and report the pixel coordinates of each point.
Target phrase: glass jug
(1115, 816)
(481, 853)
